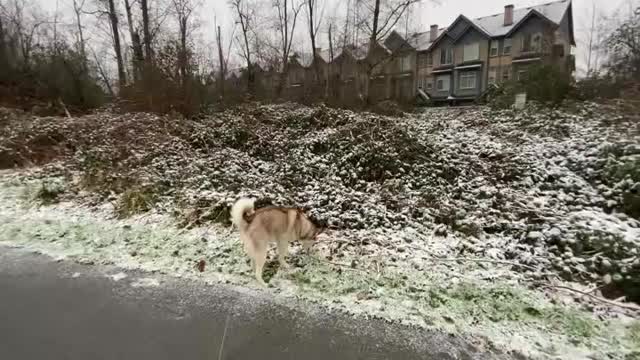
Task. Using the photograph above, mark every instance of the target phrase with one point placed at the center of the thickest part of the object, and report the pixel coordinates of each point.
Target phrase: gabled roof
(422, 41)
(494, 24)
(305, 59)
(471, 23)
(447, 31)
(325, 54)
(360, 52)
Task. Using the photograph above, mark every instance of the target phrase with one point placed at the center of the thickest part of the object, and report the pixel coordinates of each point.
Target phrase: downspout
(487, 67)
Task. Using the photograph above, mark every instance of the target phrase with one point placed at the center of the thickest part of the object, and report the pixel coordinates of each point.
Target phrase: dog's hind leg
(259, 258)
(283, 247)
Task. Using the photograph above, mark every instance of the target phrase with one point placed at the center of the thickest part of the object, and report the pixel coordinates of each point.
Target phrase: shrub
(544, 83)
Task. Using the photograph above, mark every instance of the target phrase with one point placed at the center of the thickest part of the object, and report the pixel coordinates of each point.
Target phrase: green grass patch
(46, 192)
(633, 335)
(135, 201)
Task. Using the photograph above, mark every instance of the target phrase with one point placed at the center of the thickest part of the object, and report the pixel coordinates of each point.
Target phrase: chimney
(508, 15)
(433, 34)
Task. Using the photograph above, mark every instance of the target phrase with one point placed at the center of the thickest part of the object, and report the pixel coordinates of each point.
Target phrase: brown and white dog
(260, 227)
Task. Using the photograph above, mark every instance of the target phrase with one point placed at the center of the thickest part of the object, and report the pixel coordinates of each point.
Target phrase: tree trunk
(374, 26)
(312, 34)
(122, 77)
(4, 59)
(221, 60)
(138, 56)
(329, 88)
(372, 43)
(83, 49)
(145, 28)
(183, 50)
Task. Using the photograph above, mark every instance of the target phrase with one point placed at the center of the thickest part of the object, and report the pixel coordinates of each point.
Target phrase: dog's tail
(239, 210)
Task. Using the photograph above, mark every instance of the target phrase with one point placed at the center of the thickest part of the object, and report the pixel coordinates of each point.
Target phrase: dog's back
(276, 223)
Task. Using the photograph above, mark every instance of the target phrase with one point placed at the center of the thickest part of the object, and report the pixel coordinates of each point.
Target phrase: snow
(117, 277)
(529, 191)
(146, 282)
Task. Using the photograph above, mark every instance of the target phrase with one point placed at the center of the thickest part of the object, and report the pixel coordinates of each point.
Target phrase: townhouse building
(453, 64)
(461, 61)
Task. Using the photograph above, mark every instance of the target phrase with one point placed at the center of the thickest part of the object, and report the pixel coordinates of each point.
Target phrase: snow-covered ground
(486, 302)
(466, 220)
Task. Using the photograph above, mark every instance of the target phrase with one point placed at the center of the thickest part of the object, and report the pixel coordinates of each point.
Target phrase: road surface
(61, 310)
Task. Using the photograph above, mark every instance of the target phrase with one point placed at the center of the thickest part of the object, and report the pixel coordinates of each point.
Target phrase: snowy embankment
(458, 219)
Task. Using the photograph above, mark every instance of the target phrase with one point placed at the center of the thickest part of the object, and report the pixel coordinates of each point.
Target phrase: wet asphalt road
(61, 310)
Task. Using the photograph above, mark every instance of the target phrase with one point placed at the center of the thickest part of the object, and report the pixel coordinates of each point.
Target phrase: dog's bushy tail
(238, 211)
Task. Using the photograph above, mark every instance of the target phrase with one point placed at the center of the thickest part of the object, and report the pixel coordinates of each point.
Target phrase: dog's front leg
(306, 246)
(283, 247)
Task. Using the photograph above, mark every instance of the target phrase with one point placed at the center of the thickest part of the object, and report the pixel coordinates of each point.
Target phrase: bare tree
(385, 15)
(144, 7)
(103, 73)
(287, 12)
(183, 10)
(222, 68)
(78, 10)
(624, 49)
(136, 44)
(245, 18)
(222, 59)
(108, 7)
(314, 26)
(25, 31)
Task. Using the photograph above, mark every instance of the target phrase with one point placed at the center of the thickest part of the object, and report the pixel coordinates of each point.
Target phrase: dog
(259, 227)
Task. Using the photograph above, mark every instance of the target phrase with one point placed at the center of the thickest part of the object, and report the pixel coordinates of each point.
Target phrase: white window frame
(448, 56)
(465, 83)
(493, 76)
(471, 52)
(522, 74)
(507, 44)
(405, 63)
(536, 42)
(443, 78)
(505, 71)
(494, 46)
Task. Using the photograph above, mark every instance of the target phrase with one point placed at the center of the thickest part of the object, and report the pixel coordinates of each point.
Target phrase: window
(536, 44)
(442, 83)
(423, 60)
(446, 56)
(506, 74)
(468, 80)
(425, 83)
(471, 52)
(492, 75)
(506, 47)
(405, 63)
(522, 75)
(429, 59)
(531, 42)
(558, 50)
(494, 48)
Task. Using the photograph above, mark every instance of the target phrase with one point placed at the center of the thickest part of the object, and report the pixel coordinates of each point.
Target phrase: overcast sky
(441, 12)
